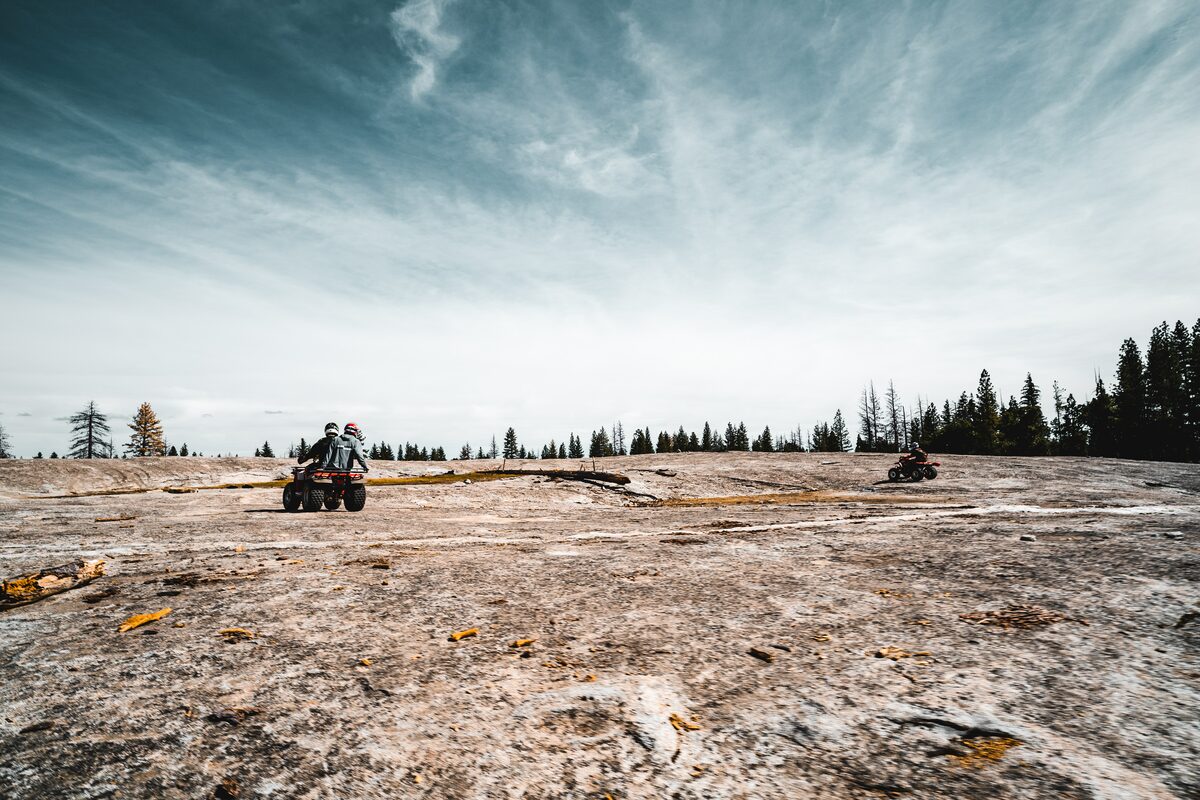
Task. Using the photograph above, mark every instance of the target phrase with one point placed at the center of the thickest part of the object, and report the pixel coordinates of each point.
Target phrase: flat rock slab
(1068, 667)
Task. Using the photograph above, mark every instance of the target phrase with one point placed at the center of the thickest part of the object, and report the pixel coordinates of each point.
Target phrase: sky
(440, 218)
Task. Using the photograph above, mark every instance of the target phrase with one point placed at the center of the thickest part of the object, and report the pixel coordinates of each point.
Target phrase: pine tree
(53, 455)
(89, 428)
(266, 450)
(618, 439)
(495, 451)
(1072, 436)
(839, 435)
(1191, 401)
(438, 454)
(1100, 416)
(1166, 393)
(510, 443)
(706, 438)
(868, 418)
(480, 454)
(147, 437)
(601, 445)
(5, 452)
(183, 451)
(302, 450)
(893, 425)
(172, 451)
(39, 455)
(562, 450)
(1129, 399)
(464, 453)
(1008, 433)
(1034, 432)
(985, 423)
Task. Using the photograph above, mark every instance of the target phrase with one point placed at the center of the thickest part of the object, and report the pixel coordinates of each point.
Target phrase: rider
(344, 450)
(320, 447)
(915, 456)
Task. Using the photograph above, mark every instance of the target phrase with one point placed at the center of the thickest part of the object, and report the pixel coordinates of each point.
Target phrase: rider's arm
(357, 453)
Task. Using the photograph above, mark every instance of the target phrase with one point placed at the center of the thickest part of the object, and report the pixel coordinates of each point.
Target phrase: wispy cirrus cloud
(416, 27)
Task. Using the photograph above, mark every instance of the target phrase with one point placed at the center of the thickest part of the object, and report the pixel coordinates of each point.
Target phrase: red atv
(913, 470)
(325, 487)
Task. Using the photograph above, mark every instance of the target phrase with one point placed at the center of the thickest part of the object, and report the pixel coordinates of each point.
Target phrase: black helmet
(331, 429)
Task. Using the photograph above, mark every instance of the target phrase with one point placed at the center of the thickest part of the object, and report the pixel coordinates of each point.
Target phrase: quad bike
(325, 487)
(914, 470)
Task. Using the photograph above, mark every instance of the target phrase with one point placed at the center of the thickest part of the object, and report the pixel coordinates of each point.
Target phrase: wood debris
(682, 725)
(1022, 616)
(897, 653)
(236, 634)
(460, 635)
(33, 586)
(121, 518)
(984, 750)
(761, 655)
(138, 620)
(522, 642)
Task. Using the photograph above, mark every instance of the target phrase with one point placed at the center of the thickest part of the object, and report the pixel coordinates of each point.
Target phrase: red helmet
(352, 430)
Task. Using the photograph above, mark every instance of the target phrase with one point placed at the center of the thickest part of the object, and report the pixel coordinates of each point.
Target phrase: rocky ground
(724, 626)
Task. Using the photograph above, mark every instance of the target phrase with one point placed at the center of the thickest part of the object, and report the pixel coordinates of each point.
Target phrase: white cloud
(416, 27)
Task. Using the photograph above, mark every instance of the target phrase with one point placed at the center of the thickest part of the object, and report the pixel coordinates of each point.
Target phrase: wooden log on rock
(564, 474)
(31, 587)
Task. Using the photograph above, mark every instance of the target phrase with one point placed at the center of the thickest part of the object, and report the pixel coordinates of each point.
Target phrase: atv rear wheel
(356, 497)
(291, 498)
(314, 498)
(917, 475)
(894, 474)
(931, 472)
(332, 503)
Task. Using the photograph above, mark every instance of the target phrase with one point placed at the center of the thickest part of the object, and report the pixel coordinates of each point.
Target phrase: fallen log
(564, 474)
(31, 587)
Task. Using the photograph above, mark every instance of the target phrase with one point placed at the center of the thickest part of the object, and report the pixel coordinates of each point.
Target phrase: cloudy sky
(443, 218)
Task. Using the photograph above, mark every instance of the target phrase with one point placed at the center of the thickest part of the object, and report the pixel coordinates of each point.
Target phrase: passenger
(320, 447)
(344, 450)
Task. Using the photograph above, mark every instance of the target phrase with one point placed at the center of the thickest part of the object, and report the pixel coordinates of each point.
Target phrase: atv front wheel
(356, 497)
(332, 503)
(291, 498)
(931, 472)
(314, 498)
(916, 475)
(894, 474)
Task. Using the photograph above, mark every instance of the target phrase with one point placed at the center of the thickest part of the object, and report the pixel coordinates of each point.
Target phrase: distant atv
(913, 470)
(325, 487)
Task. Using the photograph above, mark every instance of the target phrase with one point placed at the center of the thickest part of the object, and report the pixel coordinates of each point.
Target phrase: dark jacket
(317, 452)
(342, 452)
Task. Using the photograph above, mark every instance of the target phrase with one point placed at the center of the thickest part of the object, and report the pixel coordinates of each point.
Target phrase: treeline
(1150, 411)
(381, 451)
(823, 437)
